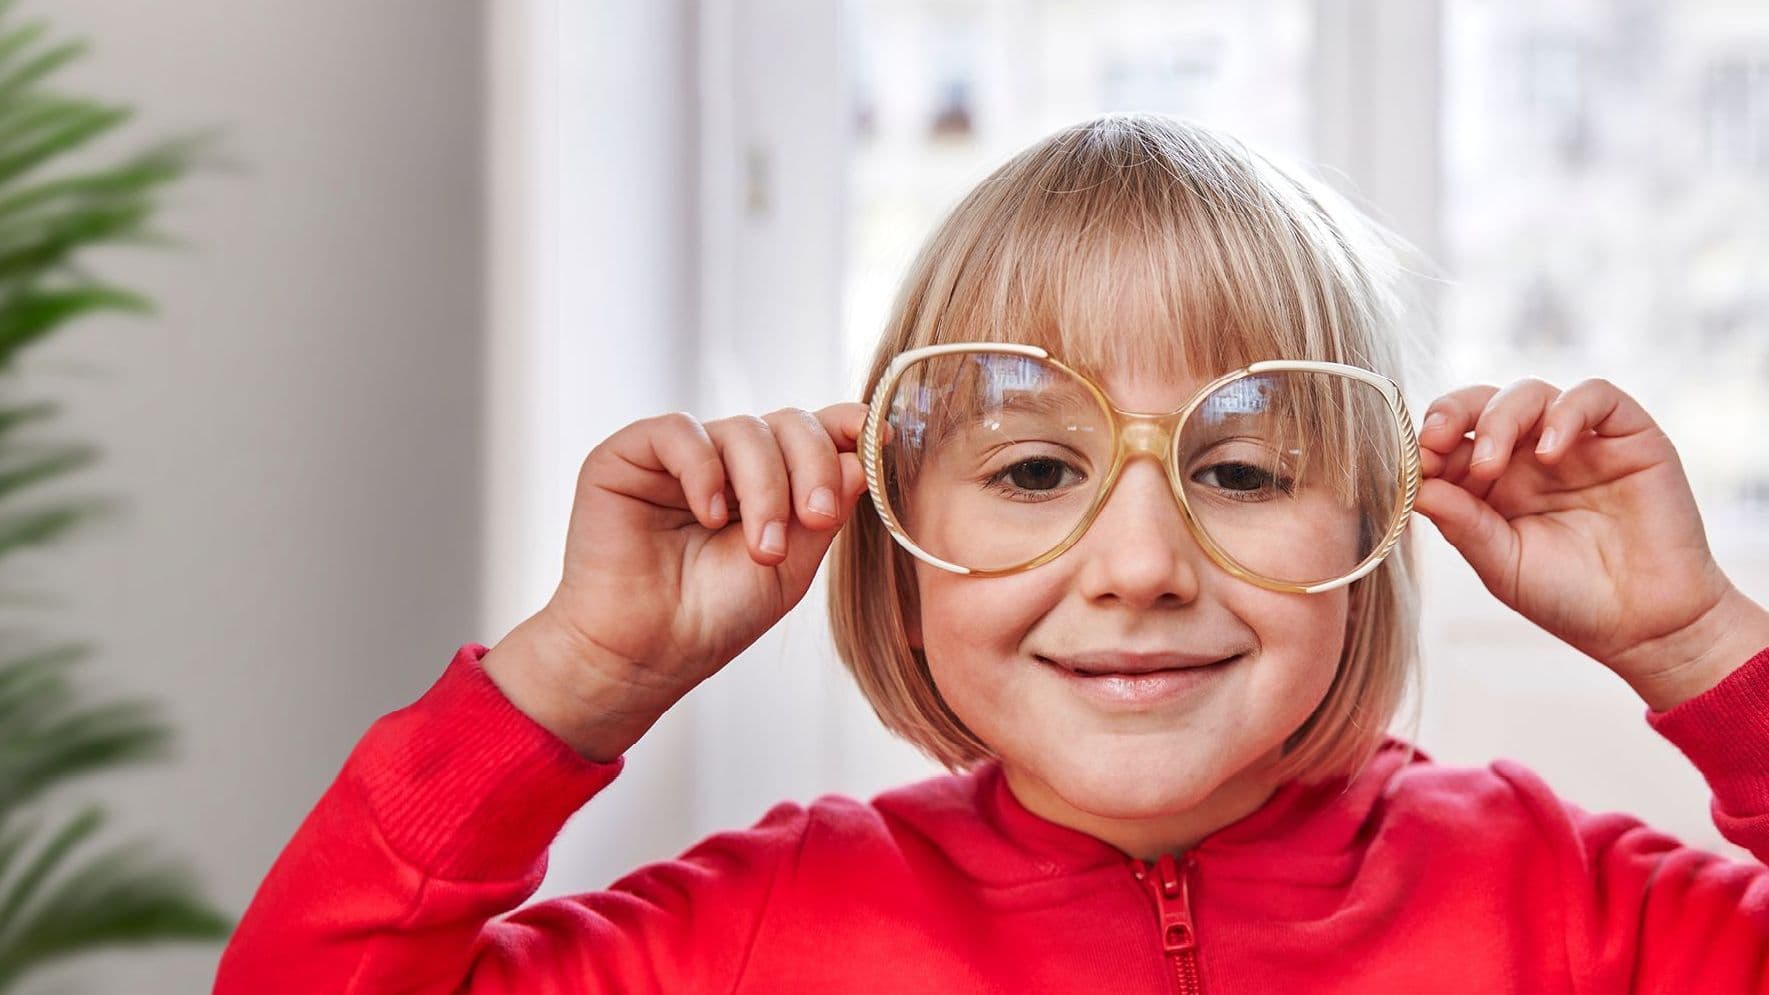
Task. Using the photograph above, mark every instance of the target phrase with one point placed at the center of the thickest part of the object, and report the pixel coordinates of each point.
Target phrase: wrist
(592, 701)
(1704, 653)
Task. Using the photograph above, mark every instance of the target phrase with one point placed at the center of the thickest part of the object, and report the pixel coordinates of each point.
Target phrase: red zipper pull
(1168, 879)
(1176, 906)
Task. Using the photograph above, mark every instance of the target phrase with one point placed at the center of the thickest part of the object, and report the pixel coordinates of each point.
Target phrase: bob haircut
(1144, 241)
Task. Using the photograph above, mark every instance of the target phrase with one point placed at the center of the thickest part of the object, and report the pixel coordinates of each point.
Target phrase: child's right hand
(674, 564)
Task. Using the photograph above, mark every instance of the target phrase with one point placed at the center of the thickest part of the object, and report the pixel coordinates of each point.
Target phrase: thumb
(1479, 533)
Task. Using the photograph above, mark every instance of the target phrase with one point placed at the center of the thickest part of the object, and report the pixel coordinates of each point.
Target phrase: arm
(438, 823)
(1646, 912)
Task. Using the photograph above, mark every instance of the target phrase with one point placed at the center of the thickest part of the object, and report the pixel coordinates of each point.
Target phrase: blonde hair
(1141, 241)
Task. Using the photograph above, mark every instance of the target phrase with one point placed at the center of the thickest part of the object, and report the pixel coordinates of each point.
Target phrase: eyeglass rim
(871, 457)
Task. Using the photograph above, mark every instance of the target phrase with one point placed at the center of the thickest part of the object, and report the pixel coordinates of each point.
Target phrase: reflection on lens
(1294, 475)
(995, 456)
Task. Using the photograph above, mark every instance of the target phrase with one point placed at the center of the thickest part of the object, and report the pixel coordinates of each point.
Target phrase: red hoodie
(1414, 877)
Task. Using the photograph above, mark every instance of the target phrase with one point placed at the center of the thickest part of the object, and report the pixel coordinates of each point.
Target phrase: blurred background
(472, 240)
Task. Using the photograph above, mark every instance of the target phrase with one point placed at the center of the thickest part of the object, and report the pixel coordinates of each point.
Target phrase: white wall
(298, 434)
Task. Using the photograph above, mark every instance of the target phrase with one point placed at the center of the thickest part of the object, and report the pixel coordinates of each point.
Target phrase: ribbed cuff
(463, 785)
(1724, 731)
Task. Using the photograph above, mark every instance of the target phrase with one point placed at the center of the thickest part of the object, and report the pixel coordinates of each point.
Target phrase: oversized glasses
(990, 459)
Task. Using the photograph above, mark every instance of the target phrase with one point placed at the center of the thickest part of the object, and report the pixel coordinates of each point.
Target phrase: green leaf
(137, 177)
(38, 684)
(61, 135)
(12, 843)
(14, 42)
(29, 315)
(97, 738)
(121, 897)
(11, 418)
(46, 739)
(51, 241)
(16, 82)
(29, 116)
(32, 876)
(48, 465)
(39, 526)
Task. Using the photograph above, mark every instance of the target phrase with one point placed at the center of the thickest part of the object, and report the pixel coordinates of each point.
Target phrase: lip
(1142, 690)
(1134, 664)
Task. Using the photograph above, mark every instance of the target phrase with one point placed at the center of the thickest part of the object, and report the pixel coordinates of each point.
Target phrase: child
(1217, 808)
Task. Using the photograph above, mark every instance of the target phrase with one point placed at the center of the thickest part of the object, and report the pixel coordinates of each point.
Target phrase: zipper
(1167, 879)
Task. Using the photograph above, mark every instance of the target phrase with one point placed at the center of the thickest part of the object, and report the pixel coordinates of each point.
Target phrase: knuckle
(753, 425)
(796, 419)
(673, 421)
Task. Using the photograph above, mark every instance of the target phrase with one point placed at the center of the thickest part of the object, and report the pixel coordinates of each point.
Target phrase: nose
(1139, 550)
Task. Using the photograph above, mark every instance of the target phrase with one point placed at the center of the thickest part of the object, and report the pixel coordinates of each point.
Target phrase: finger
(843, 422)
(1513, 413)
(761, 494)
(1479, 533)
(1449, 418)
(1453, 468)
(1594, 404)
(806, 547)
(667, 460)
(810, 465)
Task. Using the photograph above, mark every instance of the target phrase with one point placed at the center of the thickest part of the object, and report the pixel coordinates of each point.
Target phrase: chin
(1138, 787)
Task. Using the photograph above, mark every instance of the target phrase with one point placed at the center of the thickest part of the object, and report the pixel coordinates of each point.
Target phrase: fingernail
(1434, 420)
(774, 538)
(1483, 451)
(716, 507)
(823, 501)
(1549, 437)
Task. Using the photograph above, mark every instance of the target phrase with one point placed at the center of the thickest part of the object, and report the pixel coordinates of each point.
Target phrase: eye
(1242, 478)
(1037, 474)
(1040, 476)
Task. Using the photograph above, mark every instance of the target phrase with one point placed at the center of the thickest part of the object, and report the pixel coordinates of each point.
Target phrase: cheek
(987, 615)
(1301, 638)
(972, 630)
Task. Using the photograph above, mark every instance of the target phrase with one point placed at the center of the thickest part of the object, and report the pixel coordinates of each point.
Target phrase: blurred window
(1606, 213)
(945, 90)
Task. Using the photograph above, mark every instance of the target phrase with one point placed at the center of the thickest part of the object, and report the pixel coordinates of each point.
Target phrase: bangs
(1114, 248)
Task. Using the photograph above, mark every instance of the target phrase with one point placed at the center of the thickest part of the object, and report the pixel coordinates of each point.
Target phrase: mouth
(1141, 689)
(1136, 664)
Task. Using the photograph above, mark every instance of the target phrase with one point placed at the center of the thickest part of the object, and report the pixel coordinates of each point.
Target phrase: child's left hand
(1596, 538)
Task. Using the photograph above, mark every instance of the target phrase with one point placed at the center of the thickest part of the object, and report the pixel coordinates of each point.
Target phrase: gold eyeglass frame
(1133, 434)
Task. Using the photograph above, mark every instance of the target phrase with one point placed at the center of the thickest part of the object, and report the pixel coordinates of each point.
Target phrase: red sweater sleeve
(1647, 913)
(438, 824)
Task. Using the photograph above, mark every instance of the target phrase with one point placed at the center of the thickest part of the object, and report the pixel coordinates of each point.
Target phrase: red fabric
(1414, 877)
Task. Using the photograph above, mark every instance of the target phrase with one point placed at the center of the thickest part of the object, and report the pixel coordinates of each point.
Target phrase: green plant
(54, 901)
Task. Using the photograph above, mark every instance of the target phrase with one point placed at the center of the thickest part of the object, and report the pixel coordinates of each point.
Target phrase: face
(1148, 776)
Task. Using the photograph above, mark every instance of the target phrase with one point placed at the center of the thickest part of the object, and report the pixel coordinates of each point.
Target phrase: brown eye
(1238, 476)
(1037, 474)
(1244, 478)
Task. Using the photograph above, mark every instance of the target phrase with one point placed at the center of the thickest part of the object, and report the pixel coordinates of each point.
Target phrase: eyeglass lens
(994, 459)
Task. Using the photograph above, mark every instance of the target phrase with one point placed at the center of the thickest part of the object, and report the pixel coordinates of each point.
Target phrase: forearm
(439, 821)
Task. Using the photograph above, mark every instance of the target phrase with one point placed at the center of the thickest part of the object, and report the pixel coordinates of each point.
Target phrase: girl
(1156, 653)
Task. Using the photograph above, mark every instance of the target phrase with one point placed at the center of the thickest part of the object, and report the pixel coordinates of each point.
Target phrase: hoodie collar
(1304, 832)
